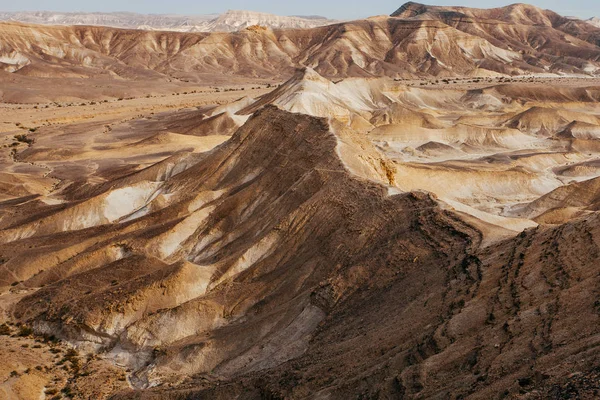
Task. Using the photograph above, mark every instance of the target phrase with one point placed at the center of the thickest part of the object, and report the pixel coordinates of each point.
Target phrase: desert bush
(24, 331)
(25, 138)
(4, 330)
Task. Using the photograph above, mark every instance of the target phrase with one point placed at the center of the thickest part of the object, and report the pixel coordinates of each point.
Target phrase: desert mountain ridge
(402, 207)
(278, 244)
(229, 21)
(417, 41)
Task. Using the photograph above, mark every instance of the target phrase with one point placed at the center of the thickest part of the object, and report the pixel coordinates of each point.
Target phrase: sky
(346, 9)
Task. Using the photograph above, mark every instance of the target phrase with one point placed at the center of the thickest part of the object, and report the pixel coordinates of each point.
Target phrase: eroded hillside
(271, 251)
(415, 41)
(368, 237)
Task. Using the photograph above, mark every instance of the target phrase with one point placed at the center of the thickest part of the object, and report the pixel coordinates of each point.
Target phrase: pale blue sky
(346, 9)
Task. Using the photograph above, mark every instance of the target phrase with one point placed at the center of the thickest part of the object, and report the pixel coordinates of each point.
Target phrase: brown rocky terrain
(368, 236)
(416, 41)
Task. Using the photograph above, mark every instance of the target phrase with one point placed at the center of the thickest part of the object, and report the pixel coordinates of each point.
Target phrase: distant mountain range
(227, 22)
(418, 40)
(594, 21)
